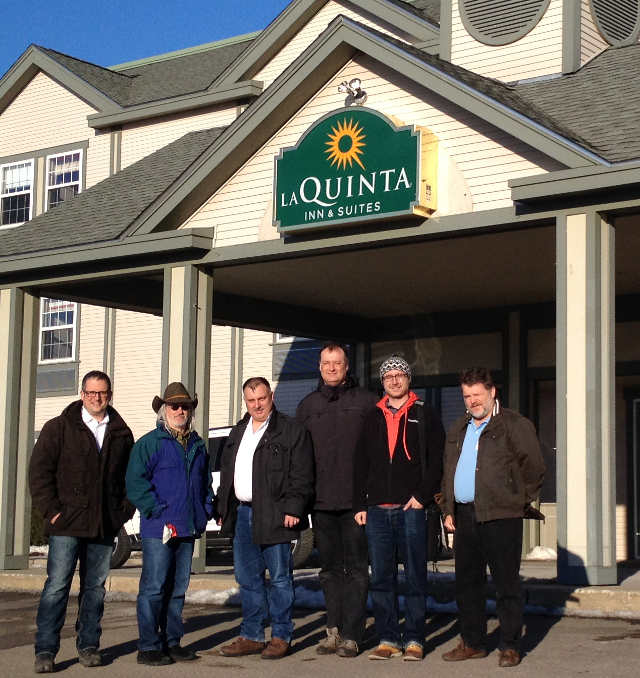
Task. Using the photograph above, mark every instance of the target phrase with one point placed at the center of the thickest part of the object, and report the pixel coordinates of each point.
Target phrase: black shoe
(153, 658)
(90, 657)
(182, 654)
(45, 663)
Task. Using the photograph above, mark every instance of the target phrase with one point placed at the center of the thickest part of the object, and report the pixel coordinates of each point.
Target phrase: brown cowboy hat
(174, 393)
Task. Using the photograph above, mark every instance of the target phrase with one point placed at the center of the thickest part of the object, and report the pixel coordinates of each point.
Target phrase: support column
(18, 359)
(186, 348)
(585, 400)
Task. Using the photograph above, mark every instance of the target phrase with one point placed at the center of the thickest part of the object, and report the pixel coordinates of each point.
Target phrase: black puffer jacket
(334, 415)
(282, 479)
(70, 476)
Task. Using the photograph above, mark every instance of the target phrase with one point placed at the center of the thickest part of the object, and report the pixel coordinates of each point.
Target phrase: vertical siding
(591, 43)
(536, 54)
(485, 156)
(98, 158)
(44, 114)
(220, 376)
(293, 49)
(136, 376)
(142, 138)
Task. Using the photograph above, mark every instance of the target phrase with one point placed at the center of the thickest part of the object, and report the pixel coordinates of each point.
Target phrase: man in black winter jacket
(334, 414)
(77, 482)
(266, 484)
(397, 473)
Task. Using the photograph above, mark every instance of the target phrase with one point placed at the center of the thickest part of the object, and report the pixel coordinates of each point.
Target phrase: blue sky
(115, 31)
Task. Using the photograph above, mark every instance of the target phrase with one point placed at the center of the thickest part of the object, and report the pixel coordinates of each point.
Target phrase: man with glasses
(397, 473)
(77, 482)
(169, 481)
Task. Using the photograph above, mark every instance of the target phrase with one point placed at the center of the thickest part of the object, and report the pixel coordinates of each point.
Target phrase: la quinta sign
(352, 165)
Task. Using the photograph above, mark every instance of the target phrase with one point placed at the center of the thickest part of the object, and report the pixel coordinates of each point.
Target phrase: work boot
(348, 648)
(153, 658)
(45, 663)
(182, 654)
(276, 649)
(90, 657)
(330, 644)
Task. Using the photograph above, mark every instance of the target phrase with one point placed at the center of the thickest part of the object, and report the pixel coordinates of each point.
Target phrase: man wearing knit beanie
(397, 473)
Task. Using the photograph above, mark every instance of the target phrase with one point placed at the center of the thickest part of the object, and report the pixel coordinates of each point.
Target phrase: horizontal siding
(485, 156)
(91, 347)
(48, 408)
(220, 376)
(98, 158)
(138, 359)
(288, 394)
(621, 532)
(257, 354)
(536, 54)
(141, 139)
(293, 49)
(44, 114)
(592, 43)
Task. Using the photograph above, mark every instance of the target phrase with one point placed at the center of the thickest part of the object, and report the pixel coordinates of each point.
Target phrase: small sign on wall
(353, 165)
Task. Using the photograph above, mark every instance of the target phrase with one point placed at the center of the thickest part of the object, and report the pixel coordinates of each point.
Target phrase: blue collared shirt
(464, 482)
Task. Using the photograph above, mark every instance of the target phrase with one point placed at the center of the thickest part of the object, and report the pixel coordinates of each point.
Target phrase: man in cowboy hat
(169, 481)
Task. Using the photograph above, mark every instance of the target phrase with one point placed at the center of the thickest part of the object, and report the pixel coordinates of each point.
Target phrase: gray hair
(162, 418)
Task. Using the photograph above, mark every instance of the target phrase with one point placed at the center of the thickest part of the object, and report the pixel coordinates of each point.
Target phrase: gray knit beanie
(395, 362)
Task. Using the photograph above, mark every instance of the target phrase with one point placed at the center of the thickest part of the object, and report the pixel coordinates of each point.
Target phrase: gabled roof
(104, 211)
(428, 9)
(600, 103)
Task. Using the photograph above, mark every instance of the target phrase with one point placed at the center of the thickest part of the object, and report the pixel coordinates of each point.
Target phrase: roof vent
(617, 20)
(500, 22)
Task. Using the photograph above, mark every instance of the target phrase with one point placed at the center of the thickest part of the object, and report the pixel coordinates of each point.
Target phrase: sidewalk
(543, 594)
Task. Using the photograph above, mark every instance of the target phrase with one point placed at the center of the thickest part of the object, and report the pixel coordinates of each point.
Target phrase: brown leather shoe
(508, 658)
(276, 649)
(462, 652)
(241, 647)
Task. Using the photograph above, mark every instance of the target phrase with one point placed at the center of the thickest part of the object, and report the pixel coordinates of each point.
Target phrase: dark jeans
(388, 529)
(166, 570)
(259, 602)
(344, 573)
(95, 560)
(498, 544)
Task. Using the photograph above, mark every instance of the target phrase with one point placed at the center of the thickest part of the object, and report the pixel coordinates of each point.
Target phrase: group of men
(365, 468)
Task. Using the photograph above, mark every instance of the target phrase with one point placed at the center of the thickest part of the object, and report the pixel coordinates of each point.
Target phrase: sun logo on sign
(346, 144)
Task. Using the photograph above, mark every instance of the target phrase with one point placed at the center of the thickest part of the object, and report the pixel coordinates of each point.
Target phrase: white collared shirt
(243, 473)
(98, 428)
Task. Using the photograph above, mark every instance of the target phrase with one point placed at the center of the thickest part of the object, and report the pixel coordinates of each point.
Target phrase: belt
(245, 503)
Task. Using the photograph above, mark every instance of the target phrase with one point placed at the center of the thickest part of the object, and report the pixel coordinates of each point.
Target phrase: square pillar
(18, 359)
(186, 348)
(585, 400)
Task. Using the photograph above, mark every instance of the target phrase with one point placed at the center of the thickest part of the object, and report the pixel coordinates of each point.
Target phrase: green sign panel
(352, 165)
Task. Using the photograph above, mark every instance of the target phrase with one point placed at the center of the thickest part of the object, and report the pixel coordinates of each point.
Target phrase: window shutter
(617, 20)
(500, 22)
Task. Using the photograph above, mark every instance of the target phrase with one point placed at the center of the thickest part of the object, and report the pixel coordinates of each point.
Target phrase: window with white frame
(63, 177)
(57, 330)
(16, 188)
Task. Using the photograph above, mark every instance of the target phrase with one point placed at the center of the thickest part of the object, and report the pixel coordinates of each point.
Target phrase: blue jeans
(166, 570)
(388, 529)
(95, 560)
(259, 602)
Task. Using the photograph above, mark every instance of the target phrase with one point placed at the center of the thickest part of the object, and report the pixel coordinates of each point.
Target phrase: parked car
(128, 539)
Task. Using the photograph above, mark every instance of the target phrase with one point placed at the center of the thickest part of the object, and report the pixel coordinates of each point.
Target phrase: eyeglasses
(394, 377)
(96, 394)
(175, 408)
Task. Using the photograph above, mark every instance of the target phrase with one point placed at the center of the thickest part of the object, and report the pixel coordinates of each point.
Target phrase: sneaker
(153, 658)
(182, 654)
(45, 663)
(276, 649)
(384, 651)
(90, 657)
(241, 647)
(348, 648)
(330, 644)
(413, 653)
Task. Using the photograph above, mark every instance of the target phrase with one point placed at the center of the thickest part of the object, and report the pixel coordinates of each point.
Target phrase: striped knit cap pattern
(395, 362)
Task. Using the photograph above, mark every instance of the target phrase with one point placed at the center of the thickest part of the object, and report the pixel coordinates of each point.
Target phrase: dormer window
(16, 189)
(63, 177)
